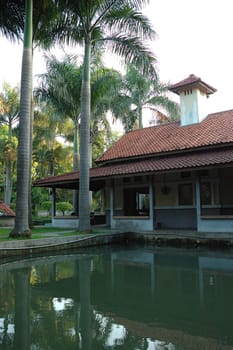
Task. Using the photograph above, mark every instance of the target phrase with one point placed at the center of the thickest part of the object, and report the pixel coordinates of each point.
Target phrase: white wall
(132, 224)
(72, 222)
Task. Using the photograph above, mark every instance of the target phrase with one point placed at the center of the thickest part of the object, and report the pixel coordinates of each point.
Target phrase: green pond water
(120, 297)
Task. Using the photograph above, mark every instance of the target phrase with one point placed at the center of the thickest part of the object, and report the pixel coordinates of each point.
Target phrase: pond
(120, 297)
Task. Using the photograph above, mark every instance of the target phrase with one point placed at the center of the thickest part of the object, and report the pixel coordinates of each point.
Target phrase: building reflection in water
(119, 298)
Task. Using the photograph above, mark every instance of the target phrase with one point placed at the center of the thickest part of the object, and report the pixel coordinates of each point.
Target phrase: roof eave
(198, 84)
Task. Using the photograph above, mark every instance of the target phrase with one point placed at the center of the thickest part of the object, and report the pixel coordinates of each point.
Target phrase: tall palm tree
(93, 22)
(23, 166)
(9, 116)
(12, 25)
(137, 93)
(45, 17)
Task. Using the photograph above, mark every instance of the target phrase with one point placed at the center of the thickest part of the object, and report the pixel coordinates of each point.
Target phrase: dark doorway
(136, 201)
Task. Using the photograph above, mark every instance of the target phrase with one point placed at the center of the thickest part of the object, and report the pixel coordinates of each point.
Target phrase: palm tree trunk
(21, 221)
(85, 303)
(84, 205)
(22, 312)
(8, 181)
(30, 220)
(75, 164)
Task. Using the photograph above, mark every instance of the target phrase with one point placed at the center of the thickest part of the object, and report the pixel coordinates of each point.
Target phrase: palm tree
(137, 93)
(45, 17)
(12, 26)
(60, 88)
(9, 116)
(102, 22)
(23, 166)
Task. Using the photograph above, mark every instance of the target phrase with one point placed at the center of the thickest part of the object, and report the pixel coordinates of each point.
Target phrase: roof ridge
(154, 126)
(221, 112)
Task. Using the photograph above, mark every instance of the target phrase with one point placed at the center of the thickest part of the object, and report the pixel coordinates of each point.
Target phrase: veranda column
(151, 201)
(53, 201)
(111, 203)
(198, 201)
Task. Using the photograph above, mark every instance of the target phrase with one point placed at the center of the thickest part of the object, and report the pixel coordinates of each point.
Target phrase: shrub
(64, 206)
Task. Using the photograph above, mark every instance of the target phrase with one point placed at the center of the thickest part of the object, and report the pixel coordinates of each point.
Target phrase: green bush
(47, 205)
(64, 206)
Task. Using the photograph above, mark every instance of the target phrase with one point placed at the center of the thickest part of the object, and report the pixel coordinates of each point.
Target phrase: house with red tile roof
(176, 175)
(7, 215)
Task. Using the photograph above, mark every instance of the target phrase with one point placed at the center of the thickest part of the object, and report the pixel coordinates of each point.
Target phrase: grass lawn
(46, 232)
(39, 232)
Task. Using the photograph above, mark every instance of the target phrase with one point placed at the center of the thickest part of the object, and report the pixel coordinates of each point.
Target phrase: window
(205, 191)
(185, 194)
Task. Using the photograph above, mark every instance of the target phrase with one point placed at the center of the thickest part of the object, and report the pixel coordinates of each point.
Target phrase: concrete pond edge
(29, 247)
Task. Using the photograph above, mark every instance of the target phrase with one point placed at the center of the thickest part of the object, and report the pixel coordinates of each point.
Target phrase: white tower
(193, 94)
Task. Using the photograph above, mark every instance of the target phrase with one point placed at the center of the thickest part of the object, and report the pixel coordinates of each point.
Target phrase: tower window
(188, 92)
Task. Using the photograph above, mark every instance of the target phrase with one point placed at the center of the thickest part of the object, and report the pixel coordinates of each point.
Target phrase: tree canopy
(116, 26)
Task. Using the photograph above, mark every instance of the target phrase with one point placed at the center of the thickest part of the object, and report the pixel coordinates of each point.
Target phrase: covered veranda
(187, 191)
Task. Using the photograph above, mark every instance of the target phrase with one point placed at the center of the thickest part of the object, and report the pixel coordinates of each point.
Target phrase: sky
(193, 37)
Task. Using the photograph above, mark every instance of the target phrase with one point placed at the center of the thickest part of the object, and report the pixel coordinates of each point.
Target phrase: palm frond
(164, 102)
(139, 4)
(12, 19)
(104, 83)
(133, 22)
(133, 50)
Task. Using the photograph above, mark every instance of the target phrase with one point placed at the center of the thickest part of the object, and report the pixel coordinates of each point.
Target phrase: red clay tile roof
(216, 129)
(58, 179)
(184, 161)
(5, 210)
(191, 82)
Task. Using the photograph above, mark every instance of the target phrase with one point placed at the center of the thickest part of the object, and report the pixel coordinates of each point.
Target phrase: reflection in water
(120, 298)
(22, 312)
